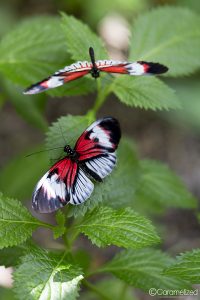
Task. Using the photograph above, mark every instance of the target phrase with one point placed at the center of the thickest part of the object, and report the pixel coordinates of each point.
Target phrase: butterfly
(82, 68)
(69, 179)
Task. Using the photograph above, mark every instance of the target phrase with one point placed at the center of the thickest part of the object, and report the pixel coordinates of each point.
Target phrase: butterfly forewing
(69, 73)
(132, 68)
(96, 147)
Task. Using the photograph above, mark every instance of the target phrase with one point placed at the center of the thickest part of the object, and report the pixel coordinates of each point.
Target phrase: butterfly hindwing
(65, 182)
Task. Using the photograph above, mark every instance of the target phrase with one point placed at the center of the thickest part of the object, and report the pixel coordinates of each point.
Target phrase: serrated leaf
(118, 189)
(33, 50)
(22, 186)
(43, 275)
(65, 131)
(124, 228)
(16, 223)
(145, 92)
(143, 269)
(186, 266)
(79, 38)
(159, 188)
(59, 230)
(169, 35)
(122, 183)
(26, 106)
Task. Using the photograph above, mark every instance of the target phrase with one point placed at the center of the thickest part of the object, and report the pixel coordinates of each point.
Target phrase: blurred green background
(172, 136)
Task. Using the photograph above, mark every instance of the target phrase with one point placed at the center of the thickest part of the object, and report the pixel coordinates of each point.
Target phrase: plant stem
(93, 288)
(102, 94)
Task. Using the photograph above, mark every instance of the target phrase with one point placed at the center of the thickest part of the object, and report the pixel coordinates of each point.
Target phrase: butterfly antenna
(62, 132)
(92, 57)
(43, 151)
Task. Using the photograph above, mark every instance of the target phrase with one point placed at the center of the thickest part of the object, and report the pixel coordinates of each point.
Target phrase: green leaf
(169, 35)
(186, 266)
(112, 287)
(160, 188)
(118, 189)
(143, 269)
(144, 92)
(124, 228)
(44, 275)
(79, 38)
(66, 130)
(10, 257)
(59, 230)
(26, 106)
(188, 116)
(6, 294)
(22, 186)
(16, 223)
(33, 50)
(122, 183)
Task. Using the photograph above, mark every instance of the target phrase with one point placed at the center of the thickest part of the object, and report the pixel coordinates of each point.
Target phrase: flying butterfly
(92, 158)
(82, 68)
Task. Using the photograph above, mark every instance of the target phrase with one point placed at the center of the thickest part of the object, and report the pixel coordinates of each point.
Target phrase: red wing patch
(99, 138)
(60, 77)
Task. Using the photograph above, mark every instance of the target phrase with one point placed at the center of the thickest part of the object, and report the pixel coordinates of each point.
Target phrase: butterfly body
(94, 68)
(70, 179)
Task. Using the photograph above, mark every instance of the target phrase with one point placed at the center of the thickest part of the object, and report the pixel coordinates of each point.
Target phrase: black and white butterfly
(69, 179)
(82, 68)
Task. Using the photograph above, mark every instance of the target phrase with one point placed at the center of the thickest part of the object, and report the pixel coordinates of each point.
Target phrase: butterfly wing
(60, 77)
(96, 147)
(131, 68)
(64, 183)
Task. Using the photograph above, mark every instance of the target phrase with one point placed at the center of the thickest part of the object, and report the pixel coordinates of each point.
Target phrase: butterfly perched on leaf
(70, 179)
(82, 68)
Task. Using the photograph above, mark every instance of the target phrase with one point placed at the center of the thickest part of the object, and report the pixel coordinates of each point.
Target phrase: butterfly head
(70, 152)
(95, 72)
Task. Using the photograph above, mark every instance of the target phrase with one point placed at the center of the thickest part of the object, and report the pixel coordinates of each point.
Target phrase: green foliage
(10, 257)
(60, 229)
(186, 266)
(27, 106)
(64, 132)
(79, 38)
(33, 50)
(113, 288)
(124, 228)
(45, 275)
(122, 185)
(160, 188)
(169, 35)
(145, 92)
(188, 90)
(13, 185)
(143, 269)
(16, 223)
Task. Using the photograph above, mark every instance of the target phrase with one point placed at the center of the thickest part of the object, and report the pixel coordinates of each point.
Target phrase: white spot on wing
(102, 135)
(51, 187)
(135, 68)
